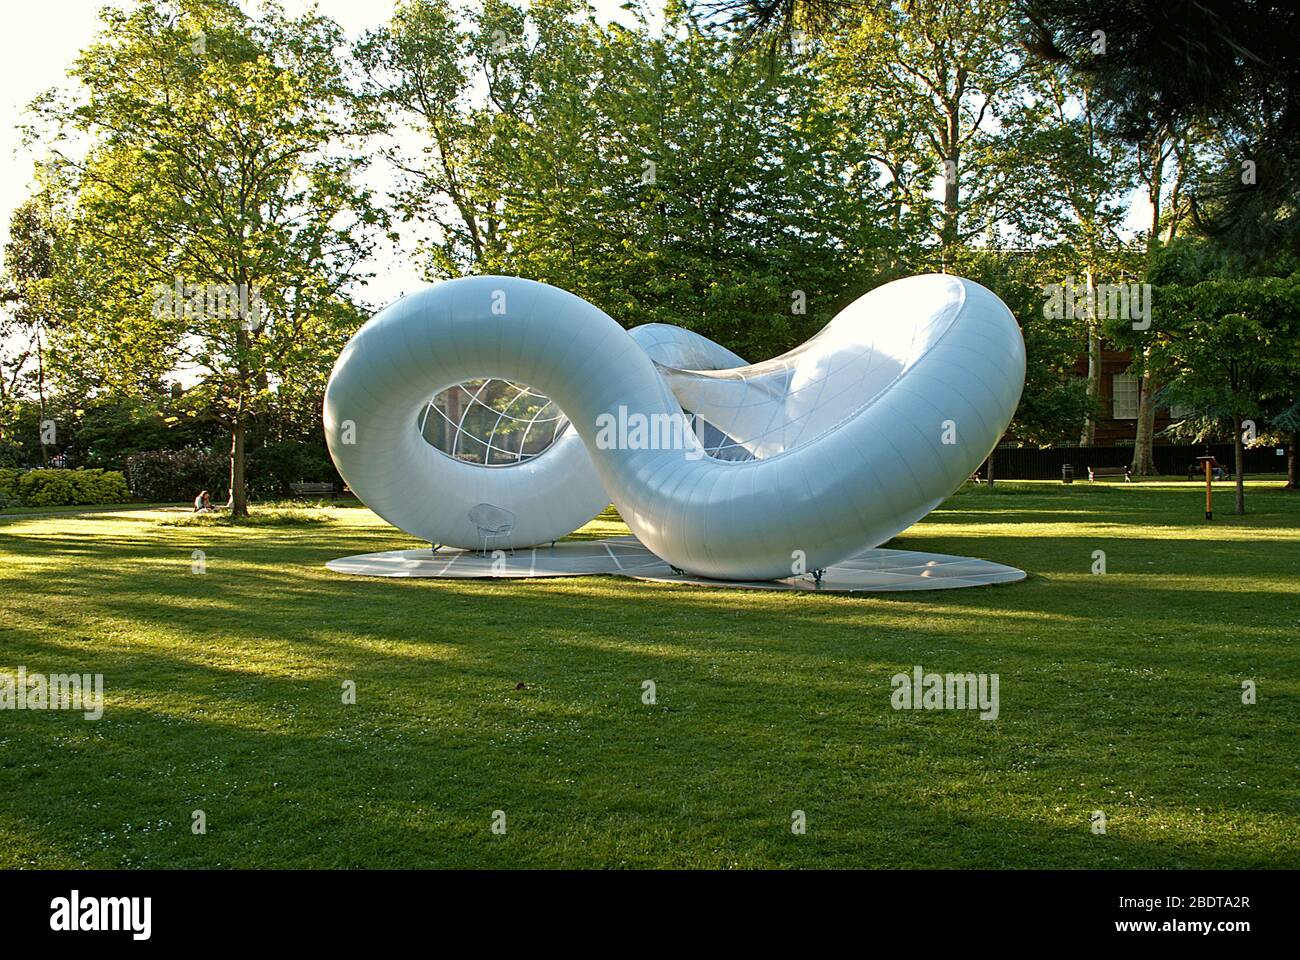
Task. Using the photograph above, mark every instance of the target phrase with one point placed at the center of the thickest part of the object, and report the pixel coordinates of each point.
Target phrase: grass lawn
(9, 513)
(1120, 693)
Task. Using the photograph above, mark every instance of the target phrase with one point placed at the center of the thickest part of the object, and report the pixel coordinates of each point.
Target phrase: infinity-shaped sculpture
(833, 448)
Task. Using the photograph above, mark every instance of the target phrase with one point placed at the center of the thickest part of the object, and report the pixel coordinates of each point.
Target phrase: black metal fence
(1025, 463)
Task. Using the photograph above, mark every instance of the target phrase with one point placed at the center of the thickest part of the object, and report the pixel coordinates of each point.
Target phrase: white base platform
(873, 571)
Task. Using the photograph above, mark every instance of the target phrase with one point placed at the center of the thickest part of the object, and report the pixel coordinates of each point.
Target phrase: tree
(1170, 64)
(1227, 349)
(1054, 400)
(29, 258)
(1286, 424)
(664, 175)
(1080, 177)
(217, 199)
(1153, 155)
(931, 78)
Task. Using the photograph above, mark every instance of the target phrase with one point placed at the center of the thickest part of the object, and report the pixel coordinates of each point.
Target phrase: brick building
(1117, 423)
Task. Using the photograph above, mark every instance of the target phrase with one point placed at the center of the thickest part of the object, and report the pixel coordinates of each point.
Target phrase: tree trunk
(1292, 480)
(949, 141)
(40, 394)
(1143, 460)
(238, 495)
(989, 466)
(1089, 435)
(1239, 455)
(1144, 463)
(951, 204)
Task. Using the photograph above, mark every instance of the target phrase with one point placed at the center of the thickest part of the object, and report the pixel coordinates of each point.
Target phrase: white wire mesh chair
(493, 523)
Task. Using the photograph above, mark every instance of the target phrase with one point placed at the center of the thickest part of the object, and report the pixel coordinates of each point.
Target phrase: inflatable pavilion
(722, 469)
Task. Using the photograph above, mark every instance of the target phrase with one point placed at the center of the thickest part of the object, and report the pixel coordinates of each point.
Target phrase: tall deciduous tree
(217, 197)
(1082, 176)
(1226, 348)
(661, 173)
(932, 78)
(26, 292)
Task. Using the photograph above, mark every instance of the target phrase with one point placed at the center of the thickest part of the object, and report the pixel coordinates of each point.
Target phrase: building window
(1124, 396)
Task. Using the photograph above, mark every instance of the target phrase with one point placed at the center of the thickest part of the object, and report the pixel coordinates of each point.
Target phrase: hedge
(168, 476)
(272, 468)
(61, 488)
(165, 476)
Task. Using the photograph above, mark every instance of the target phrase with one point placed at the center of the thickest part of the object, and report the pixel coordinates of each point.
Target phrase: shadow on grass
(1119, 692)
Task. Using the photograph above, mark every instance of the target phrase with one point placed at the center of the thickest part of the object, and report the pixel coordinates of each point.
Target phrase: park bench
(1095, 472)
(317, 490)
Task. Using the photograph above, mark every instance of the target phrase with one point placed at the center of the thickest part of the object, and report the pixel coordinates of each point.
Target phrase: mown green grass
(1119, 693)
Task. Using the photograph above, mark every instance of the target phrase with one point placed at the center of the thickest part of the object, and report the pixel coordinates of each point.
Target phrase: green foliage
(28, 318)
(665, 175)
(104, 429)
(222, 156)
(1074, 175)
(61, 488)
(169, 476)
(108, 429)
(9, 487)
(273, 467)
(1224, 345)
(1054, 400)
(1227, 348)
(1229, 65)
(919, 81)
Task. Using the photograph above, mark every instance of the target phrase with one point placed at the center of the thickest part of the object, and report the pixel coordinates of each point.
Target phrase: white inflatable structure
(725, 470)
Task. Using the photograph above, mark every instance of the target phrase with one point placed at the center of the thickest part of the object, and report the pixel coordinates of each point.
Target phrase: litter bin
(1067, 473)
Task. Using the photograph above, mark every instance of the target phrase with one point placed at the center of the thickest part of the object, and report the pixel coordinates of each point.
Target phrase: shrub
(166, 476)
(101, 486)
(9, 486)
(47, 488)
(272, 468)
(62, 488)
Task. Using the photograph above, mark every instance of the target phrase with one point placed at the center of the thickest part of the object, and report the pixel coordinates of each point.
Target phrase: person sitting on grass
(203, 503)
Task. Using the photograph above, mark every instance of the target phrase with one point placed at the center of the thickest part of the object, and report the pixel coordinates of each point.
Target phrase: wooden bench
(1095, 472)
(317, 490)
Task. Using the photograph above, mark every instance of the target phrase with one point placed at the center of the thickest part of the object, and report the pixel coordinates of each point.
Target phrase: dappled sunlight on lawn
(223, 688)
